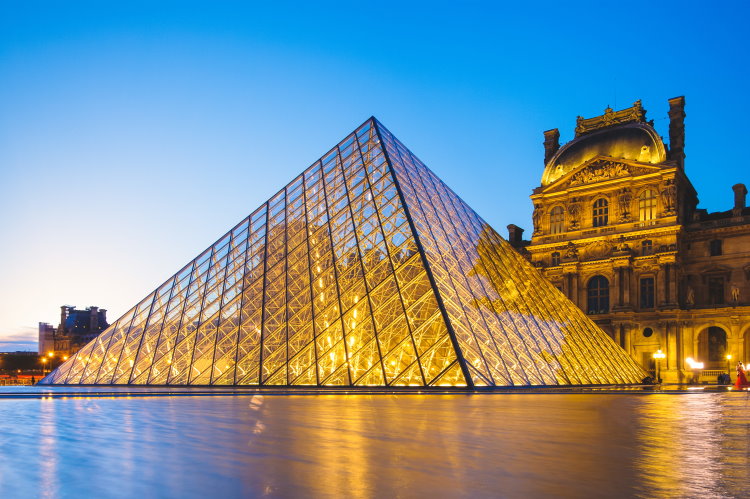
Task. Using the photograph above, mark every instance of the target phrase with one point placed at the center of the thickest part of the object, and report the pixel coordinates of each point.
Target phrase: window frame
(600, 212)
(647, 205)
(555, 259)
(651, 292)
(715, 247)
(557, 226)
(597, 298)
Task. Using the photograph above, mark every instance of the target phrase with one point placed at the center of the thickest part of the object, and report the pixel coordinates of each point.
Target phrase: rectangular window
(647, 292)
(715, 247)
(647, 248)
(556, 220)
(716, 290)
(601, 212)
(555, 260)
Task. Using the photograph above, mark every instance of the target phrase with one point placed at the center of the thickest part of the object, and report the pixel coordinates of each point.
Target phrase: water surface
(405, 445)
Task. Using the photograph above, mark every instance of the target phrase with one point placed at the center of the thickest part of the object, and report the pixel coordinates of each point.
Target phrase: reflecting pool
(478, 445)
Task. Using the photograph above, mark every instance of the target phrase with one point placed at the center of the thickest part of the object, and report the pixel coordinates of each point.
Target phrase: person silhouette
(741, 381)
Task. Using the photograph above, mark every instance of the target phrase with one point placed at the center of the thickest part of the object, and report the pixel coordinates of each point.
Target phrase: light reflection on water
(524, 445)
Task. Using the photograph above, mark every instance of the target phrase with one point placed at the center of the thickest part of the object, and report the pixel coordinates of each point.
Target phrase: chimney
(94, 319)
(677, 130)
(740, 191)
(515, 234)
(551, 143)
(63, 316)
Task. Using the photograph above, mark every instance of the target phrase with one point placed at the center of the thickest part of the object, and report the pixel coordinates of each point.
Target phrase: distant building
(617, 230)
(77, 327)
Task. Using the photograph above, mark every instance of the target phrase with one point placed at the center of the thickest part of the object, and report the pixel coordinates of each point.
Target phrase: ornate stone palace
(618, 231)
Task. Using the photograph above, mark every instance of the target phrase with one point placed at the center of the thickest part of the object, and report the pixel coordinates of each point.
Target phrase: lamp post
(44, 365)
(658, 355)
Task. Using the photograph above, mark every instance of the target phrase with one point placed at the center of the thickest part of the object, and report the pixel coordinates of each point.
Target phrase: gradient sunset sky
(134, 134)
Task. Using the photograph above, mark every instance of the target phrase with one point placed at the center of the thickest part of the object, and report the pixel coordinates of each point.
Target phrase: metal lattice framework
(365, 270)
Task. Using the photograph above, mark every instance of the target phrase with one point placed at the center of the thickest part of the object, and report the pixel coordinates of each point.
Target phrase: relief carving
(600, 170)
(537, 217)
(624, 200)
(574, 213)
(669, 197)
(636, 113)
(571, 253)
(598, 250)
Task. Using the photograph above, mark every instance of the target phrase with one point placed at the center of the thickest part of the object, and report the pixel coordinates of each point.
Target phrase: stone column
(628, 340)
(616, 288)
(626, 284)
(617, 332)
(660, 288)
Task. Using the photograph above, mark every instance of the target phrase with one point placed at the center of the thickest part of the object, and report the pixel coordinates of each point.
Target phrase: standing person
(741, 379)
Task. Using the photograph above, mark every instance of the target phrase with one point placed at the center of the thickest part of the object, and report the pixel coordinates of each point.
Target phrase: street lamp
(44, 364)
(658, 355)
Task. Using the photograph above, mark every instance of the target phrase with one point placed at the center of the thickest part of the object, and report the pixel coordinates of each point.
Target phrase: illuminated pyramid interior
(366, 270)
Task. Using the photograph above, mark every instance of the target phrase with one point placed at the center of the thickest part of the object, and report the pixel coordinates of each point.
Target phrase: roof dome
(633, 141)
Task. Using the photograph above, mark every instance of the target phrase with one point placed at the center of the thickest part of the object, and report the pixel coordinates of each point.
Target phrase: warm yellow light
(693, 364)
(65, 358)
(131, 362)
(659, 354)
(50, 354)
(44, 360)
(729, 356)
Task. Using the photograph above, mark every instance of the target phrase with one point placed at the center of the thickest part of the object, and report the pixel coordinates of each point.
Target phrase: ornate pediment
(598, 170)
(602, 169)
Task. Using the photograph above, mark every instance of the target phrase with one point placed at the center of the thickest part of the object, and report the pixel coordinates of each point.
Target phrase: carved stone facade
(617, 230)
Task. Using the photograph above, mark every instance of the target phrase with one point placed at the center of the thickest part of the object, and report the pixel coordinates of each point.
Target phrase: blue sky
(133, 134)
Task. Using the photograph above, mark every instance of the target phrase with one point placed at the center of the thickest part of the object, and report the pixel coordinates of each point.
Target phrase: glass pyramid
(365, 270)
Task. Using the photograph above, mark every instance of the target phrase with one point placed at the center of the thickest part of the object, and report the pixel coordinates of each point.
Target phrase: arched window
(647, 205)
(556, 220)
(601, 212)
(717, 344)
(555, 260)
(598, 294)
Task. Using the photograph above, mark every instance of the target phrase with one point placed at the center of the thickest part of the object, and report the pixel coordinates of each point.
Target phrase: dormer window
(601, 212)
(556, 220)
